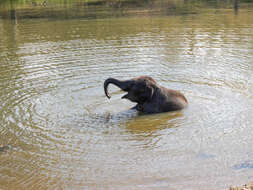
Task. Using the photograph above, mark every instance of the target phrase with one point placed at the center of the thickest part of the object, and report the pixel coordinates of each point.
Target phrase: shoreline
(111, 8)
(248, 186)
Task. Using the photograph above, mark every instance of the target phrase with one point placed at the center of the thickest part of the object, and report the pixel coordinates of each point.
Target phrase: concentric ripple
(62, 132)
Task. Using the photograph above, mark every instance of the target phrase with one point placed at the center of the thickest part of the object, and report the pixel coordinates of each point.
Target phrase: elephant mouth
(130, 97)
(126, 96)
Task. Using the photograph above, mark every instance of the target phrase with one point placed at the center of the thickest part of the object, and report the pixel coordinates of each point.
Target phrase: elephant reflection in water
(149, 96)
(150, 124)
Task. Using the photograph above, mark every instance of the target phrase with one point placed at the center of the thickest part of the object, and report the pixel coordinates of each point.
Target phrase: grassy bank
(123, 3)
(64, 9)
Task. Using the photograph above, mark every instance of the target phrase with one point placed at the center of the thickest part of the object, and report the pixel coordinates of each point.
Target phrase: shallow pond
(62, 132)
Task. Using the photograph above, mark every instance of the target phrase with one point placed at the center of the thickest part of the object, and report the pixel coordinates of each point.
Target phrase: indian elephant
(149, 96)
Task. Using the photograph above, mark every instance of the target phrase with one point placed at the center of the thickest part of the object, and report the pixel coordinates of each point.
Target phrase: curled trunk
(124, 85)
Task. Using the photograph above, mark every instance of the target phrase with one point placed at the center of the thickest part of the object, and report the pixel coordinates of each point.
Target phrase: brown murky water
(62, 132)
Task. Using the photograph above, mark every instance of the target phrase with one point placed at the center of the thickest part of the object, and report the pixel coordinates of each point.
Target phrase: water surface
(62, 132)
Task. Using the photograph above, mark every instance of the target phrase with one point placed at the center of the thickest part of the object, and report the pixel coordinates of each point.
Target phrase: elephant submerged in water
(149, 96)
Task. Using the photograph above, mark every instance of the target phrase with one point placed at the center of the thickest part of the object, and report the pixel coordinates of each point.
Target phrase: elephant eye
(142, 90)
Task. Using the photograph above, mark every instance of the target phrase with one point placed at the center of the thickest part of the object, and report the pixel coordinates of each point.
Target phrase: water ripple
(63, 131)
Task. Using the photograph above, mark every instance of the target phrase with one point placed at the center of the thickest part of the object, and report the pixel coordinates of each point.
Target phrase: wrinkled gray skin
(149, 96)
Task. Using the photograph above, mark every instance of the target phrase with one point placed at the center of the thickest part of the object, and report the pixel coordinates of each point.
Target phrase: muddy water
(62, 132)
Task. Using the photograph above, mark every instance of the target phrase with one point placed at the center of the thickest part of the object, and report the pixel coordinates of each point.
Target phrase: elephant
(149, 96)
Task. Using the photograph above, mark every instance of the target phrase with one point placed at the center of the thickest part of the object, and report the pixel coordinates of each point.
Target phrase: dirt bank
(248, 186)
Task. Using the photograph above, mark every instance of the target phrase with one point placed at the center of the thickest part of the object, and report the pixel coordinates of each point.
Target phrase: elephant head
(138, 90)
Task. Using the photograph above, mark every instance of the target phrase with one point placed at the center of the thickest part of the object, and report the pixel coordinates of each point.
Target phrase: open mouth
(126, 96)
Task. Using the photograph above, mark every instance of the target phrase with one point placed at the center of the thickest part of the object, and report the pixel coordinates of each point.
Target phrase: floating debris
(4, 148)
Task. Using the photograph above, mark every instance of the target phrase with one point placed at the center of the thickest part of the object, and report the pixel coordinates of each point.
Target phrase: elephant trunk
(123, 85)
